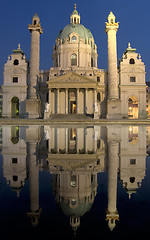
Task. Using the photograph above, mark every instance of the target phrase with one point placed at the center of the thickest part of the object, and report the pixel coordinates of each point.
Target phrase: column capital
(111, 24)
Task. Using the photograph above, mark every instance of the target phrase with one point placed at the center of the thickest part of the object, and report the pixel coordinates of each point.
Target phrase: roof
(83, 32)
(130, 49)
(18, 50)
(78, 210)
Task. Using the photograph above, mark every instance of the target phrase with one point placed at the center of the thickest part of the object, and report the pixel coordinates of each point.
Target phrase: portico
(74, 94)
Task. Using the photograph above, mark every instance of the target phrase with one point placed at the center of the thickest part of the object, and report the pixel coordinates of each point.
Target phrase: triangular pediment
(71, 78)
(72, 162)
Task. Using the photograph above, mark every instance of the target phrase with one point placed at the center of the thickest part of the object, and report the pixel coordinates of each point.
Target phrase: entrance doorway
(14, 107)
(73, 107)
(133, 108)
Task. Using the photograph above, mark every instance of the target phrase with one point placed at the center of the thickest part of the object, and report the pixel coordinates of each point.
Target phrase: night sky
(133, 17)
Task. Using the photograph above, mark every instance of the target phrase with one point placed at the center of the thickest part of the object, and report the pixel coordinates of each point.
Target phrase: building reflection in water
(74, 157)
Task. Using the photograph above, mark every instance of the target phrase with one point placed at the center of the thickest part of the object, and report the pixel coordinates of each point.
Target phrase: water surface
(74, 182)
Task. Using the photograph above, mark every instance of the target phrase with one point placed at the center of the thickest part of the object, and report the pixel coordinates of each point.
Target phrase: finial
(75, 6)
(129, 45)
(129, 195)
(18, 45)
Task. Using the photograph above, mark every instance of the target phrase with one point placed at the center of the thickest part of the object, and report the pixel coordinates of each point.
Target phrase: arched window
(14, 134)
(14, 107)
(74, 39)
(16, 62)
(92, 62)
(98, 79)
(98, 97)
(34, 22)
(73, 181)
(73, 59)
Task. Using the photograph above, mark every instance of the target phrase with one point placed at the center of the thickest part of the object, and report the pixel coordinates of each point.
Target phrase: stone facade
(74, 84)
(15, 85)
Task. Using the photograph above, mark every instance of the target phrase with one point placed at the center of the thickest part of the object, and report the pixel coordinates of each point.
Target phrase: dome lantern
(75, 17)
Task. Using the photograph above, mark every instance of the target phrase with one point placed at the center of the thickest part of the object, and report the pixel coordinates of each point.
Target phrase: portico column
(102, 96)
(79, 52)
(95, 105)
(57, 100)
(66, 110)
(58, 60)
(66, 140)
(57, 137)
(50, 100)
(77, 100)
(86, 99)
(77, 139)
(85, 140)
(95, 98)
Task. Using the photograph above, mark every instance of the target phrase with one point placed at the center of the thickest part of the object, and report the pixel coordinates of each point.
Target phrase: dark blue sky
(133, 16)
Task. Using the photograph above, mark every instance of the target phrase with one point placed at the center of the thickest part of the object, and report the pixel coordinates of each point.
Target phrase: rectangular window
(132, 161)
(132, 79)
(98, 79)
(14, 160)
(73, 181)
(15, 79)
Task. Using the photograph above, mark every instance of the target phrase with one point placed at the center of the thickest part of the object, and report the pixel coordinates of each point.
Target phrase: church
(74, 84)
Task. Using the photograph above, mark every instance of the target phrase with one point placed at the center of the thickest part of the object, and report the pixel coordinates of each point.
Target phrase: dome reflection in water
(78, 180)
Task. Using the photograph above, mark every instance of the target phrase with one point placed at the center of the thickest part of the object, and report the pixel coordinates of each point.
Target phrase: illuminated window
(73, 59)
(73, 134)
(14, 134)
(74, 39)
(73, 181)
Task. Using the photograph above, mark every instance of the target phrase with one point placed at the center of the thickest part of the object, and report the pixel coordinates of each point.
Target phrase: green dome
(78, 211)
(83, 32)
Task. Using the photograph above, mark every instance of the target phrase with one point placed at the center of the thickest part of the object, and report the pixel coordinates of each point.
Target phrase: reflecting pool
(74, 182)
